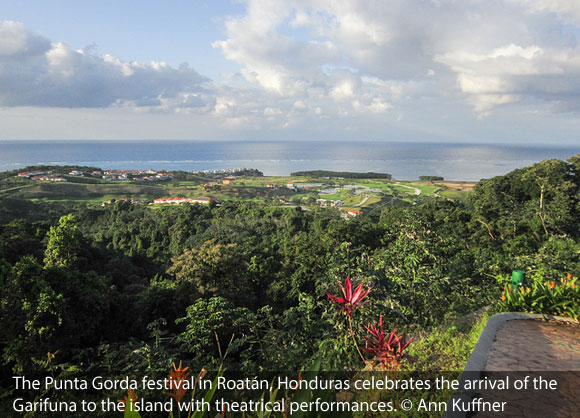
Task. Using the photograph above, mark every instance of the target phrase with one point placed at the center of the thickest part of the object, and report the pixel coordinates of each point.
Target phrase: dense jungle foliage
(128, 287)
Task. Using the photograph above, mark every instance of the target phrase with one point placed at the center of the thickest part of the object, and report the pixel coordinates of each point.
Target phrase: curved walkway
(551, 348)
(535, 345)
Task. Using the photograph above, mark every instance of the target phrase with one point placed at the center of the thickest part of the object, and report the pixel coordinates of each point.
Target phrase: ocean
(404, 160)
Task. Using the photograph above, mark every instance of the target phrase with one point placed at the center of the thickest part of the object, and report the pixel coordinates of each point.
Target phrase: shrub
(561, 297)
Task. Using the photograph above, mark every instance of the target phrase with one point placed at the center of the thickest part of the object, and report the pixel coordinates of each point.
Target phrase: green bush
(560, 297)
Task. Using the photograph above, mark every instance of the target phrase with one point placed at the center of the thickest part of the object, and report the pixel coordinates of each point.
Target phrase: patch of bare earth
(461, 186)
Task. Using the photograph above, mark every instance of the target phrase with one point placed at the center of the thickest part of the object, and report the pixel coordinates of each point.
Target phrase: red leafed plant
(348, 304)
(351, 299)
(388, 352)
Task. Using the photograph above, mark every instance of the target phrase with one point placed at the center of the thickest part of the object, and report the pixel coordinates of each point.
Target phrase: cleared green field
(12, 190)
(243, 189)
(453, 194)
(372, 200)
(75, 191)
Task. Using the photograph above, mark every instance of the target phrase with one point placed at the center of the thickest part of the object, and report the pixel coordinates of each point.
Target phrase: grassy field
(95, 191)
(47, 190)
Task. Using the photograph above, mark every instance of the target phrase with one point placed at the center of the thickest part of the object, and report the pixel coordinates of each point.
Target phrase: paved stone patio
(524, 348)
(535, 345)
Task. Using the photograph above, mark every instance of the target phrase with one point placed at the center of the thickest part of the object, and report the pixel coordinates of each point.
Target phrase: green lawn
(244, 189)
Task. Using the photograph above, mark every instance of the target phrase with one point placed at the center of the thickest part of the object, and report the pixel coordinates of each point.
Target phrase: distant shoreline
(404, 161)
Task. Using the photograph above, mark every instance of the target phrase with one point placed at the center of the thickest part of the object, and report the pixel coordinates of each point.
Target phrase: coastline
(405, 161)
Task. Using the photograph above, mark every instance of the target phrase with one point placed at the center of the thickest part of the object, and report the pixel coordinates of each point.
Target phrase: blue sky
(472, 71)
(143, 30)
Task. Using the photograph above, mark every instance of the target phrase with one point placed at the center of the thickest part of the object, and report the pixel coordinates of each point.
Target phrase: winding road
(416, 191)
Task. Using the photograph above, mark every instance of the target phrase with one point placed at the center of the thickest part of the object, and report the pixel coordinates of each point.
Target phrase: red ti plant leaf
(388, 352)
(350, 299)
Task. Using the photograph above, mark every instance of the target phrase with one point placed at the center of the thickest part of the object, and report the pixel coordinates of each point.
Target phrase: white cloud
(372, 55)
(272, 111)
(300, 106)
(37, 72)
(225, 106)
(16, 41)
(379, 106)
(342, 91)
(567, 9)
(513, 73)
(319, 72)
(330, 67)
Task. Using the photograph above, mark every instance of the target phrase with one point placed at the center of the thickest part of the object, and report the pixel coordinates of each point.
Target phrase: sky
(474, 71)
